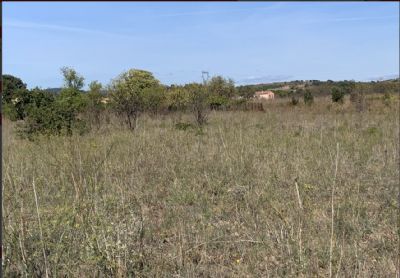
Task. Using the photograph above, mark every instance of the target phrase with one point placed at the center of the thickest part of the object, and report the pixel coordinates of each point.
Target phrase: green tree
(127, 93)
(95, 88)
(69, 104)
(178, 99)
(220, 91)
(72, 79)
(154, 98)
(47, 113)
(11, 85)
(95, 107)
(222, 87)
(53, 115)
(246, 92)
(16, 109)
(199, 95)
(41, 117)
(15, 97)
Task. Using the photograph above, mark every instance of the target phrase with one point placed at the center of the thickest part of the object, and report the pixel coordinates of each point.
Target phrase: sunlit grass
(222, 201)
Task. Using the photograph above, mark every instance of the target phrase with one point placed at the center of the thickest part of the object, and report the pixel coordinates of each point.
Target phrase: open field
(250, 195)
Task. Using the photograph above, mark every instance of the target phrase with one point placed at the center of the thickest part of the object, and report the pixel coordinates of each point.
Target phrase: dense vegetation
(72, 110)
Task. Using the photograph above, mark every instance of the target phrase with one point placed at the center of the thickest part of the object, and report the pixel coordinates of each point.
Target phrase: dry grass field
(294, 191)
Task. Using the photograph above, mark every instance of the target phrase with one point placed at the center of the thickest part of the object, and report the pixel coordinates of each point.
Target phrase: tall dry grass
(249, 195)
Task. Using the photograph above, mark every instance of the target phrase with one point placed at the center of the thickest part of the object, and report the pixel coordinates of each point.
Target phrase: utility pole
(205, 75)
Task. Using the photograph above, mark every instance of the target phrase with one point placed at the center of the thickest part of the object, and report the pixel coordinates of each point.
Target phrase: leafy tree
(15, 97)
(95, 107)
(337, 94)
(217, 102)
(41, 117)
(199, 95)
(95, 89)
(222, 87)
(68, 105)
(72, 79)
(16, 109)
(246, 92)
(178, 99)
(11, 85)
(220, 91)
(71, 102)
(127, 93)
(51, 114)
(308, 97)
(154, 98)
(40, 98)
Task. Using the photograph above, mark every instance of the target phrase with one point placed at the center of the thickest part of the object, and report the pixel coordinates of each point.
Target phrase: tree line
(136, 91)
(316, 87)
(128, 96)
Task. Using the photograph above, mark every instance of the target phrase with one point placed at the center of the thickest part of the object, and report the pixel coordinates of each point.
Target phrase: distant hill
(55, 91)
(318, 87)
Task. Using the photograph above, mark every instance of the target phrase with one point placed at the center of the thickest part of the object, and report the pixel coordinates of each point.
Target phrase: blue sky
(250, 42)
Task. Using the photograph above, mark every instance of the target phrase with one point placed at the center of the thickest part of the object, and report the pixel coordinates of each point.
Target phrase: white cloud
(62, 28)
(343, 19)
(222, 11)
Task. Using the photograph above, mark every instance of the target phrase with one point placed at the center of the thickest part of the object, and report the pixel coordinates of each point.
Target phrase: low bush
(308, 97)
(294, 101)
(337, 95)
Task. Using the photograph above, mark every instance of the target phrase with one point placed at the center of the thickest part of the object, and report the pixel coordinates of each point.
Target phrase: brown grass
(248, 196)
